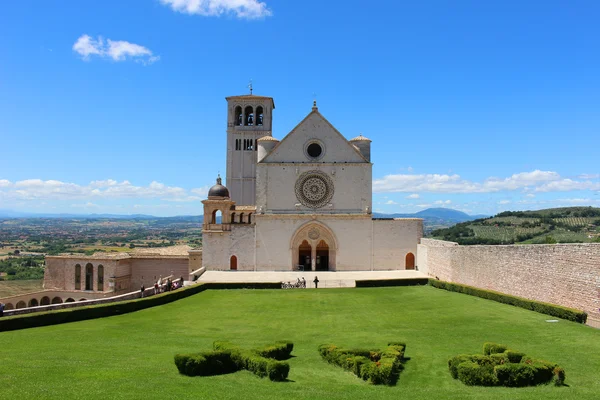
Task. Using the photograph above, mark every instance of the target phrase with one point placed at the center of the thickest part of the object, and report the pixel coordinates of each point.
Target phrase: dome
(360, 138)
(218, 190)
(267, 139)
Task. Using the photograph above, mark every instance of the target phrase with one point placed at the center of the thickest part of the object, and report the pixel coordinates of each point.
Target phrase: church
(300, 203)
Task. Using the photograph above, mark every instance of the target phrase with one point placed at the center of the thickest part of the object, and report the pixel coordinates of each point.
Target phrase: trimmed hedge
(501, 368)
(74, 314)
(227, 358)
(279, 350)
(392, 282)
(375, 366)
(544, 308)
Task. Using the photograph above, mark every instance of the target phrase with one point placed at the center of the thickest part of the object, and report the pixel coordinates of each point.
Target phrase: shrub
(514, 356)
(376, 367)
(515, 375)
(279, 351)
(499, 366)
(227, 357)
(493, 348)
(544, 308)
(471, 373)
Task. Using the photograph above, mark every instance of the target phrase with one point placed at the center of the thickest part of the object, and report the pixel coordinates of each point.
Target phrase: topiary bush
(379, 367)
(500, 366)
(227, 357)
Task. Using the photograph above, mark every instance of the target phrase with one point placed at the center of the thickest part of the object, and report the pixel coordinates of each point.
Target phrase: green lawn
(131, 356)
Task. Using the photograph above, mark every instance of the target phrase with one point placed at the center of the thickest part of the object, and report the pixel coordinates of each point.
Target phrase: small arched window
(101, 278)
(238, 116)
(233, 218)
(249, 113)
(241, 218)
(259, 115)
(77, 277)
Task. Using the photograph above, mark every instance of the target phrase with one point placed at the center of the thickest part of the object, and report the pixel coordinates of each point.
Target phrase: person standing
(316, 281)
(303, 283)
(142, 291)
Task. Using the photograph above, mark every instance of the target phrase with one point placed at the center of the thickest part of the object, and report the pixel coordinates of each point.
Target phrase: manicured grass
(131, 356)
(13, 288)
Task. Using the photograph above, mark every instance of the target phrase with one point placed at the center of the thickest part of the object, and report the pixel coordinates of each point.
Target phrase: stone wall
(147, 270)
(393, 240)
(563, 274)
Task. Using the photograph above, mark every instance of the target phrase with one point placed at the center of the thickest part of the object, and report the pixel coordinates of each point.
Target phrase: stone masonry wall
(563, 274)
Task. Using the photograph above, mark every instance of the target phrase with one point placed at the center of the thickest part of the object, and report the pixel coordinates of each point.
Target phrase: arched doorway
(89, 277)
(9, 306)
(70, 300)
(21, 304)
(304, 255)
(233, 263)
(33, 303)
(56, 300)
(322, 262)
(317, 240)
(410, 261)
(45, 301)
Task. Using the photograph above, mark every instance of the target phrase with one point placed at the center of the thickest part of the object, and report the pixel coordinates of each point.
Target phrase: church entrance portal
(313, 248)
(322, 261)
(304, 256)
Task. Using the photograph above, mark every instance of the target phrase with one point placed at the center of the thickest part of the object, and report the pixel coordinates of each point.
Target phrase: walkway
(327, 279)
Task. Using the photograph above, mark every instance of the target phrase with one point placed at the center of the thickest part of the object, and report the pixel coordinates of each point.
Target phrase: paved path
(327, 279)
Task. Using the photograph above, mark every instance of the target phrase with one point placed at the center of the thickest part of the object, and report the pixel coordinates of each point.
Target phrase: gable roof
(315, 111)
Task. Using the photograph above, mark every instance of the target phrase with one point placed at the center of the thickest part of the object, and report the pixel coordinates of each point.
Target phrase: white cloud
(390, 202)
(530, 195)
(413, 196)
(244, 9)
(117, 50)
(589, 176)
(504, 202)
(37, 189)
(540, 181)
(443, 202)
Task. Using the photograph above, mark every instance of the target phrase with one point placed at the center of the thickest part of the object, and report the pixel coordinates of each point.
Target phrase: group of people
(167, 286)
(300, 283)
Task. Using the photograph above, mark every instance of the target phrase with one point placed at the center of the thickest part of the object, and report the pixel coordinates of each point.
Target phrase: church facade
(302, 203)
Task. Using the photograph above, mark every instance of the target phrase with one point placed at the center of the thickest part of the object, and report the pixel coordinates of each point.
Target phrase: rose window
(314, 189)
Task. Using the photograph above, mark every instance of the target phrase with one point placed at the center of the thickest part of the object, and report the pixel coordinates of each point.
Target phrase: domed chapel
(302, 203)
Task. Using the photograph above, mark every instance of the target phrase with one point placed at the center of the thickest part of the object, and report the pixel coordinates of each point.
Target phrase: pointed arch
(323, 246)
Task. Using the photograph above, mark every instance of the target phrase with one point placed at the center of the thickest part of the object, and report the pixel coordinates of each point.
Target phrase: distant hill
(553, 225)
(435, 218)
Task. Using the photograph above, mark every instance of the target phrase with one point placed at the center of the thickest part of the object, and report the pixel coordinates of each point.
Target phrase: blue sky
(119, 107)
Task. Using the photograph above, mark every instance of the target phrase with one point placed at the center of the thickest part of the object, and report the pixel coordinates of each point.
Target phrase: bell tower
(249, 117)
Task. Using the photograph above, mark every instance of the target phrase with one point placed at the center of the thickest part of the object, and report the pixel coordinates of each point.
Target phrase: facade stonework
(563, 274)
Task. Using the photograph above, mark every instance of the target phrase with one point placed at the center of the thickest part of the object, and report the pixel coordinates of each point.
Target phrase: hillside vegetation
(555, 225)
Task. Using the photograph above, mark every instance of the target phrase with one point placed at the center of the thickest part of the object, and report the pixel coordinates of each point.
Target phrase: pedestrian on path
(142, 291)
(316, 281)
